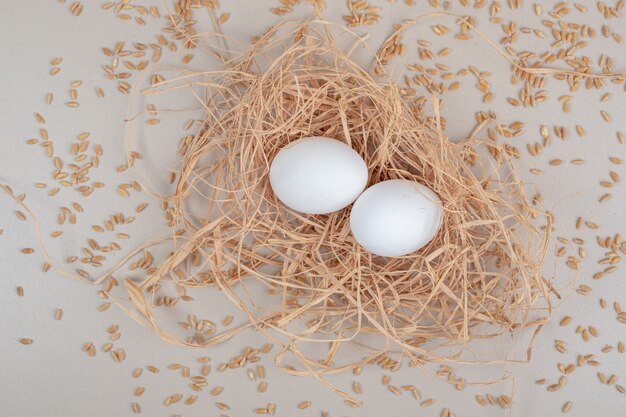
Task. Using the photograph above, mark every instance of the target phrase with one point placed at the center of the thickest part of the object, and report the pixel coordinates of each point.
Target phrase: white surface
(53, 377)
(395, 217)
(317, 175)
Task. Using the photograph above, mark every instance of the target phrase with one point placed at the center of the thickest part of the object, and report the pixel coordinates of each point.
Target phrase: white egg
(317, 175)
(396, 217)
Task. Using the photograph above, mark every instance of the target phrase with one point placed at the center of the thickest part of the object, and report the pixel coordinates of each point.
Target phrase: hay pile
(479, 277)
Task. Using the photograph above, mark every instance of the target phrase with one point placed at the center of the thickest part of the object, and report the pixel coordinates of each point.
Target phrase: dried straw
(478, 278)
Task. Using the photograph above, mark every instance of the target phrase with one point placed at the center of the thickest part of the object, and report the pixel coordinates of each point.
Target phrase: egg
(317, 175)
(396, 217)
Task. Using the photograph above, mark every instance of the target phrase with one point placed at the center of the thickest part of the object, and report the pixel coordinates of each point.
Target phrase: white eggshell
(317, 175)
(396, 217)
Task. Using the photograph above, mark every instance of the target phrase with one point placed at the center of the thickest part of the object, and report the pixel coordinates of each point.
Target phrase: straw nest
(478, 278)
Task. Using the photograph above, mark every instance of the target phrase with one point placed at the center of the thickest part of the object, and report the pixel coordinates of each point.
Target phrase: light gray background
(52, 377)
